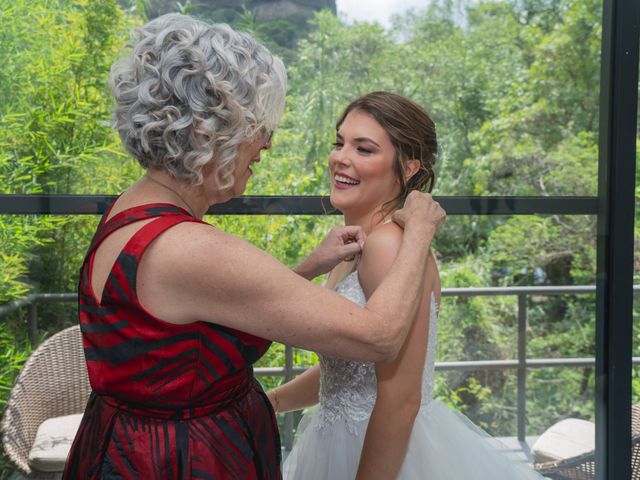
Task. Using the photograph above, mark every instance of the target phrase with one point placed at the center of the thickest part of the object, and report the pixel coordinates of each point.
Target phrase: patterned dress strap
(140, 240)
(124, 271)
(131, 215)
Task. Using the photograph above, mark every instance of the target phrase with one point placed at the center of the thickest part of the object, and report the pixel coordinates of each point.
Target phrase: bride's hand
(341, 244)
(422, 208)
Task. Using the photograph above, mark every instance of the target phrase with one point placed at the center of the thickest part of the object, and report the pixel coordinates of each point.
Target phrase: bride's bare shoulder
(380, 250)
(383, 240)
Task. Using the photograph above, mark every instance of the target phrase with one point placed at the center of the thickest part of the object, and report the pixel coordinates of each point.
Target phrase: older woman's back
(163, 391)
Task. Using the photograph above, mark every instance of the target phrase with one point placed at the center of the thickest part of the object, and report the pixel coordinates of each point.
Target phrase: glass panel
(550, 255)
(512, 86)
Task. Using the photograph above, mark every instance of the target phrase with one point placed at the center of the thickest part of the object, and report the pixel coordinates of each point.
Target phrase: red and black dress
(169, 401)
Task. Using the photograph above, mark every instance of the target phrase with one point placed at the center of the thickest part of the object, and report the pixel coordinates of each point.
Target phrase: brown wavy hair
(412, 133)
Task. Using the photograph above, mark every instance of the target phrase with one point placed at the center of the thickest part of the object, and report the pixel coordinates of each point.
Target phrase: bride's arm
(301, 392)
(399, 381)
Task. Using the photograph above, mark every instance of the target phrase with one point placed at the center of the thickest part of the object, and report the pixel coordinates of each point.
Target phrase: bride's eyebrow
(365, 139)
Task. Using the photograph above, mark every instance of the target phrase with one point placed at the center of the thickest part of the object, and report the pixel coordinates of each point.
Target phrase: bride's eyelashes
(338, 145)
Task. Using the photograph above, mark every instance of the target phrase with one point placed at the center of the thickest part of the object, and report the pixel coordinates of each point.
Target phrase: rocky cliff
(262, 9)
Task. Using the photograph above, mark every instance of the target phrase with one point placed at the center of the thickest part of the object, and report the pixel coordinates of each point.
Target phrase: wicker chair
(583, 467)
(53, 383)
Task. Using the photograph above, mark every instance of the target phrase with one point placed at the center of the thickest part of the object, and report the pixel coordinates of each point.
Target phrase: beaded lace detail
(348, 388)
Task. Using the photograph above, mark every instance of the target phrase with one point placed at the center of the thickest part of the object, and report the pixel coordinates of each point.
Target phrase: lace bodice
(348, 388)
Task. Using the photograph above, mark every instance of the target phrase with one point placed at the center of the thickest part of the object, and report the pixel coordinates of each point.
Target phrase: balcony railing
(522, 363)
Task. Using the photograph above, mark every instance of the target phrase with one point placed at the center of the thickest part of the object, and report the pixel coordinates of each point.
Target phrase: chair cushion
(566, 439)
(53, 442)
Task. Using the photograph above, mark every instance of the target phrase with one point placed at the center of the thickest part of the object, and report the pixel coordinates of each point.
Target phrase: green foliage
(55, 123)
(13, 354)
(54, 120)
(12, 357)
(554, 107)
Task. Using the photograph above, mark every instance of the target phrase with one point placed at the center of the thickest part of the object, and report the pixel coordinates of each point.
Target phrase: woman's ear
(411, 167)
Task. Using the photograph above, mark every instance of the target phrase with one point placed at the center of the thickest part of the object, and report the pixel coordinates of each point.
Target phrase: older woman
(174, 311)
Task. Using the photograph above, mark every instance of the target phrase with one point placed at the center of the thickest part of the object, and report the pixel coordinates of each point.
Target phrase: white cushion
(53, 442)
(567, 438)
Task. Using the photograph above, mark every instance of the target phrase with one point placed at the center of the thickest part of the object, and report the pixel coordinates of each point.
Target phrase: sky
(376, 10)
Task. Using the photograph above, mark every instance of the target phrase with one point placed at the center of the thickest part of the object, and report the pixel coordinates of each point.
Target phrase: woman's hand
(341, 244)
(420, 208)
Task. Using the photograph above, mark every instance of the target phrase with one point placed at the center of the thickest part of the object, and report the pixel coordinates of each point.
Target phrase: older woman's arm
(205, 274)
(400, 381)
(341, 244)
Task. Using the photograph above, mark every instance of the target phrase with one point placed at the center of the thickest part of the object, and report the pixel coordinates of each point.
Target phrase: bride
(379, 421)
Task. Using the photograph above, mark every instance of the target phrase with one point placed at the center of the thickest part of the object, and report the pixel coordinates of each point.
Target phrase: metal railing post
(522, 366)
(288, 418)
(33, 323)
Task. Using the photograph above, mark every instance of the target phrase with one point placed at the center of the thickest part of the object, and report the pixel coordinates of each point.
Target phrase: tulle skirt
(444, 445)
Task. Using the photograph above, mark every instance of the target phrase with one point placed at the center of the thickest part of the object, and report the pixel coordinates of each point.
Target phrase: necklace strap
(175, 192)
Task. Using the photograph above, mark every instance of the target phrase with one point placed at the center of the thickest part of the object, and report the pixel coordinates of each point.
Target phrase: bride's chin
(344, 209)
(345, 203)
(335, 202)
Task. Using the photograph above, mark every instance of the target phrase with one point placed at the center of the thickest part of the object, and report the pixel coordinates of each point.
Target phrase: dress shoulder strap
(131, 215)
(121, 281)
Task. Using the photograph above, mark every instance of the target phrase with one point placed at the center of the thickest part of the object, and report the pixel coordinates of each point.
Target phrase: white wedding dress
(444, 444)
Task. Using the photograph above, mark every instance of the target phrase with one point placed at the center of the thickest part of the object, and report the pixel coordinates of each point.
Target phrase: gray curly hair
(190, 92)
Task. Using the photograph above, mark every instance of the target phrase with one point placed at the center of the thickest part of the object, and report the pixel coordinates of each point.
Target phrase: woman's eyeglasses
(266, 143)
